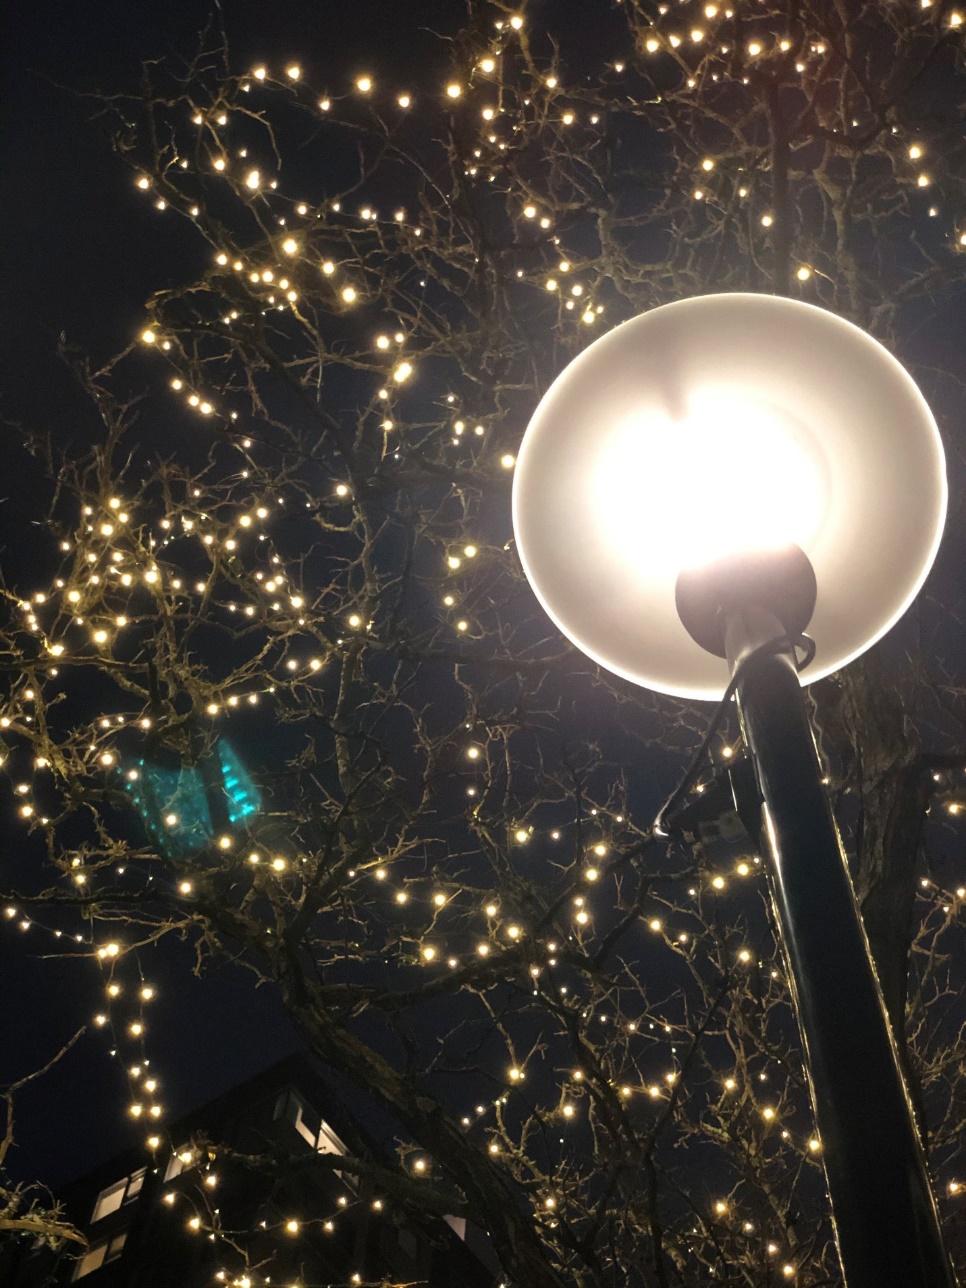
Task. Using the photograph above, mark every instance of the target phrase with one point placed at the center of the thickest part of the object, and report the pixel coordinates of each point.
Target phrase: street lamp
(693, 491)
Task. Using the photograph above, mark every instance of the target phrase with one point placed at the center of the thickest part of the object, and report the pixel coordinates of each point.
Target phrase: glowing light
(722, 442)
(364, 84)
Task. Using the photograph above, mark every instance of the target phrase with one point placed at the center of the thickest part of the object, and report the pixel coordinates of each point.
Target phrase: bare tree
(290, 557)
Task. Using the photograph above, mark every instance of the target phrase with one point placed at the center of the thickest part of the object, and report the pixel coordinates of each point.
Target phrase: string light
(123, 552)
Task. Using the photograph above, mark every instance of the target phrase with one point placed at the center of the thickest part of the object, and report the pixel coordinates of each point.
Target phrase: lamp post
(693, 491)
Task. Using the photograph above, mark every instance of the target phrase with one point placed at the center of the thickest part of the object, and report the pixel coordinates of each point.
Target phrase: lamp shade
(708, 427)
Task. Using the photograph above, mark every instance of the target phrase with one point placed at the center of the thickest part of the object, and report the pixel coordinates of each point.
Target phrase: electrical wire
(660, 827)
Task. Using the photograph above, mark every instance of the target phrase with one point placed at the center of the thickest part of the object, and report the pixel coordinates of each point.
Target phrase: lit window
(323, 1139)
(329, 1142)
(108, 1201)
(99, 1255)
(122, 1191)
(179, 1162)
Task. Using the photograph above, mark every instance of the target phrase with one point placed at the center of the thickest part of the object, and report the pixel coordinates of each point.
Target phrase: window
(293, 1109)
(329, 1142)
(99, 1255)
(179, 1162)
(108, 1201)
(122, 1191)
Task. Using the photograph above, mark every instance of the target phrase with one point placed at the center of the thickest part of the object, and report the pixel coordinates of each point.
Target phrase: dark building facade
(188, 1220)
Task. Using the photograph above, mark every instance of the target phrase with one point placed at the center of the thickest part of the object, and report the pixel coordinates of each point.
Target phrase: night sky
(80, 254)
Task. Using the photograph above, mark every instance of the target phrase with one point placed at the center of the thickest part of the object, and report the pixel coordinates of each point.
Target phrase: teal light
(188, 795)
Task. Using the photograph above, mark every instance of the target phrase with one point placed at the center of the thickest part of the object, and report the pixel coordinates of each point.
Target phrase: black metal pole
(883, 1209)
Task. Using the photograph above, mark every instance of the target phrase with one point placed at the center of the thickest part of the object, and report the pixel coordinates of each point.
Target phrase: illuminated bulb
(521, 836)
(768, 1114)
(292, 1226)
(744, 955)
(923, 181)
(293, 71)
(364, 84)
(754, 48)
(707, 164)
(349, 294)
(915, 152)
(428, 953)
(453, 90)
(508, 460)
(814, 1145)
(404, 100)
(402, 372)
(290, 246)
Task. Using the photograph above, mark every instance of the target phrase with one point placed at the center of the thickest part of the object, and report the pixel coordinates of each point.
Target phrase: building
(172, 1223)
